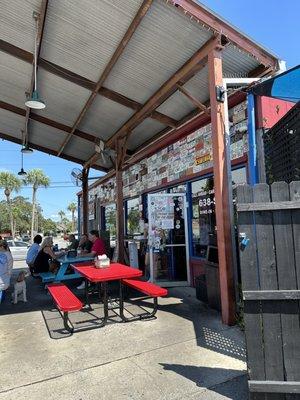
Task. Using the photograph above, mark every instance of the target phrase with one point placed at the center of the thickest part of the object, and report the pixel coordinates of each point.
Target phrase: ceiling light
(26, 149)
(35, 102)
(22, 172)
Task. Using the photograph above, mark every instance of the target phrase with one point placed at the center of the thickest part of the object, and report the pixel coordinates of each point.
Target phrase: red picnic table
(113, 272)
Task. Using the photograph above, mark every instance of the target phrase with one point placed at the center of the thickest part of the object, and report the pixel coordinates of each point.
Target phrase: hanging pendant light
(22, 172)
(26, 149)
(34, 101)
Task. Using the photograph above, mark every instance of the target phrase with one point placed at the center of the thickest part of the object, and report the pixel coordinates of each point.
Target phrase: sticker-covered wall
(183, 158)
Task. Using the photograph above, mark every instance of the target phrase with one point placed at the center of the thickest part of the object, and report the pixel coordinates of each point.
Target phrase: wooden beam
(51, 152)
(234, 36)
(82, 82)
(193, 99)
(117, 54)
(274, 387)
(47, 121)
(41, 19)
(256, 295)
(121, 150)
(222, 206)
(276, 205)
(85, 199)
(163, 92)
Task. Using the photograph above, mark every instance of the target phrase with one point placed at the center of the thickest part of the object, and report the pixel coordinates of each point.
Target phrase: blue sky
(271, 23)
(62, 191)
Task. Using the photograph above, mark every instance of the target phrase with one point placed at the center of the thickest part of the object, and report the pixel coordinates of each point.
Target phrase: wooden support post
(85, 200)
(221, 190)
(121, 151)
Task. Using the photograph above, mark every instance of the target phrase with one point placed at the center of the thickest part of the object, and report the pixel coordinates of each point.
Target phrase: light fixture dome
(22, 172)
(35, 102)
(26, 149)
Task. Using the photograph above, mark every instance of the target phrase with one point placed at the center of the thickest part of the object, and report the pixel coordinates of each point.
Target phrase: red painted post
(221, 190)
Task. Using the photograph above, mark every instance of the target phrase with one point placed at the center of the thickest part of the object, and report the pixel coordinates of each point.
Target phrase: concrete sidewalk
(186, 353)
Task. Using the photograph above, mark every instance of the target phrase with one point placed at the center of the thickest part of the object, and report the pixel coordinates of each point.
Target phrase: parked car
(18, 249)
(26, 238)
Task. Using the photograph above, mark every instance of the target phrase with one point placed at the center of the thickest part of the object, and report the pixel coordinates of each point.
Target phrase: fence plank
(278, 205)
(252, 311)
(268, 281)
(286, 270)
(295, 196)
(271, 295)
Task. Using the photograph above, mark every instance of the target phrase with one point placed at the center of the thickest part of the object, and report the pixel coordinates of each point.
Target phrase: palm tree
(62, 215)
(73, 207)
(9, 182)
(36, 178)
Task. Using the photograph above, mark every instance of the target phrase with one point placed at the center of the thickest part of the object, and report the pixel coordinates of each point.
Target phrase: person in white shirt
(4, 273)
(33, 252)
(10, 259)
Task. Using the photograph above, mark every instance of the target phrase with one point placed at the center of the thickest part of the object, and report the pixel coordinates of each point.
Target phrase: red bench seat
(64, 299)
(148, 288)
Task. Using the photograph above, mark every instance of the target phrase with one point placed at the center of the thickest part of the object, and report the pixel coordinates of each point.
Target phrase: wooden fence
(269, 234)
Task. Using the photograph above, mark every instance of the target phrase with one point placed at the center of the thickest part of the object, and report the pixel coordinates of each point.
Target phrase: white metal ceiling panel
(82, 35)
(163, 42)
(178, 105)
(15, 78)
(64, 100)
(105, 117)
(46, 136)
(11, 124)
(143, 132)
(17, 25)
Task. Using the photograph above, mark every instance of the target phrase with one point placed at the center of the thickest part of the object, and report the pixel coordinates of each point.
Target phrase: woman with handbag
(46, 259)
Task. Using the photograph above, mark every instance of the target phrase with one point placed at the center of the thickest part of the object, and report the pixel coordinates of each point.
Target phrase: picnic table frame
(99, 276)
(61, 274)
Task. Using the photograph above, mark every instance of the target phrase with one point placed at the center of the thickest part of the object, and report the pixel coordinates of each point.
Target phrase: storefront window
(204, 233)
(133, 217)
(178, 189)
(110, 222)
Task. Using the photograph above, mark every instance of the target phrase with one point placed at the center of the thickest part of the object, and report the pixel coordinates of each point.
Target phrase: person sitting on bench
(98, 248)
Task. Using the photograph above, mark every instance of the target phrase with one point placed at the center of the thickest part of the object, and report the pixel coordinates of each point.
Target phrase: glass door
(168, 239)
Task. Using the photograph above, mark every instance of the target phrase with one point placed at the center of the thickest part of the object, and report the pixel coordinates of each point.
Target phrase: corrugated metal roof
(105, 117)
(11, 124)
(178, 105)
(64, 100)
(82, 35)
(163, 42)
(143, 132)
(237, 63)
(45, 135)
(16, 22)
(15, 77)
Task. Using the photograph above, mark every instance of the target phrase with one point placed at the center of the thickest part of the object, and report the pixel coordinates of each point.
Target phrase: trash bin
(213, 286)
(201, 290)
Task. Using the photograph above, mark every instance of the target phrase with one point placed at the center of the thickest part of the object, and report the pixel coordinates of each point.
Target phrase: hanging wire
(35, 50)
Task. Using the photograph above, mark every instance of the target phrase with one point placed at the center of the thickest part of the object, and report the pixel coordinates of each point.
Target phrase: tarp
(285, 86)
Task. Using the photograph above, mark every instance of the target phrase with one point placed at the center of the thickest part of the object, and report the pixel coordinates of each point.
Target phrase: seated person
(73, 242)
(4, 270)
(41, 262)
(98, 248)
(33, 252)
(85, 245)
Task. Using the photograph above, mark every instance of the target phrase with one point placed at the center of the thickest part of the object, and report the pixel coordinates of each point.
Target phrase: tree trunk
(11, 218)
(33, 211)
(73, 221)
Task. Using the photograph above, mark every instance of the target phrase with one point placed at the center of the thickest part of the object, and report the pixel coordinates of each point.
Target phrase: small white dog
(19, 288)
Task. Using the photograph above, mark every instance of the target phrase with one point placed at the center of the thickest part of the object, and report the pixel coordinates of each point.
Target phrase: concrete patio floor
(186, 353)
